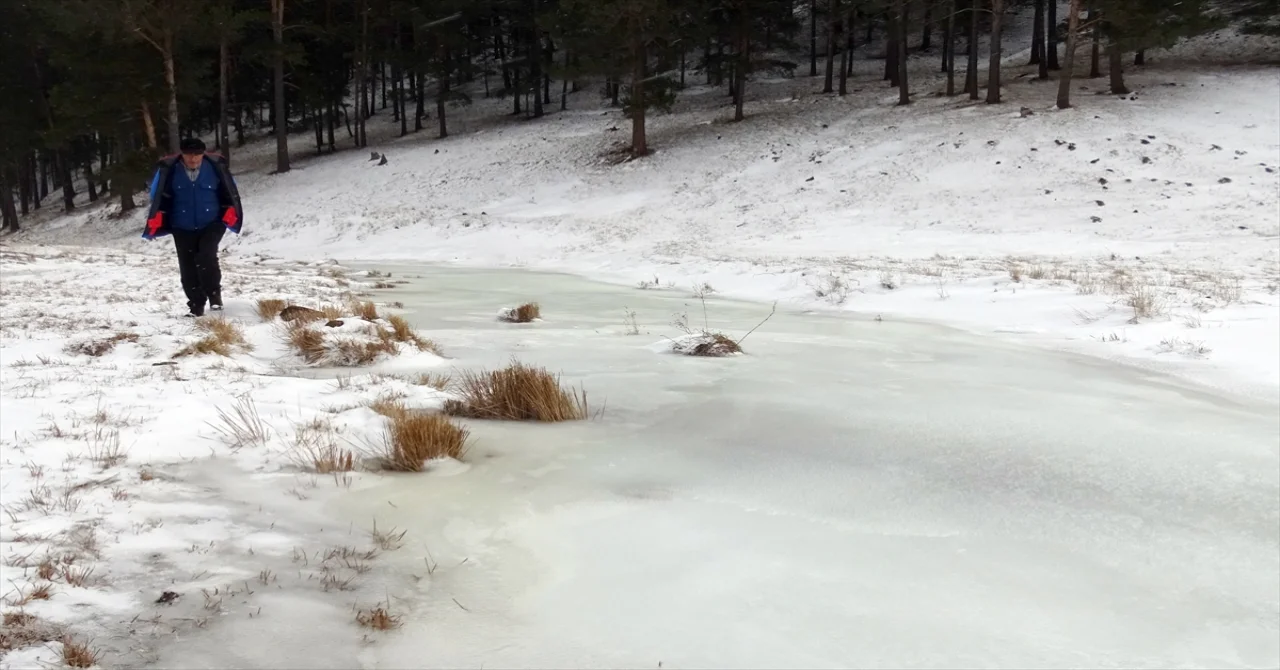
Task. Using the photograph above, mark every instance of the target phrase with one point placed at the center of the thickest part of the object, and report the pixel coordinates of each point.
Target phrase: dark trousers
(198, 265)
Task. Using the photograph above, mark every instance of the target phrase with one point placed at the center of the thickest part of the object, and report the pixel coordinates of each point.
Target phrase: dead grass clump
(1144, 301)
(318, 347)
(711, 345)
(242, 426)
(389, 406)
(416, 437)
(401, 331)
(21, 597)
(315, 448)
(23, 630)
(78, 654)
(435, 380)
(270, 308)
(222, 337)
(365, 310)
(522, 314)
(378, 618)
(99, 346)
(517, 393)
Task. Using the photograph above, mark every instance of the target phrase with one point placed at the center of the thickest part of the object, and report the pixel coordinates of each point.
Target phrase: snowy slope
(1042, 227)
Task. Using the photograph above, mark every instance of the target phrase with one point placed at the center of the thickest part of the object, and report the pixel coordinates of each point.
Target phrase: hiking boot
(215, 302)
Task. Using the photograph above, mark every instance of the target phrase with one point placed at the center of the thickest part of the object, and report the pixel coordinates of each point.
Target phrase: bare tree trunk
(993, 72)
(281, 113)
(224, 140)
(1117, 70)
(1140, 57)
(63, 167)
(442, 94)
(1073, 38)
(744, 64)
(1037, 34)
(639, 139)
(949, 49)
(904, 90)
(171, 80)
(971, 72)
(1095, 61)
(24, 184)
(846, 56)
(8, 213)
(926, 38)
(828, 76)
(1051, 50)
(813, 38)
(893, 33)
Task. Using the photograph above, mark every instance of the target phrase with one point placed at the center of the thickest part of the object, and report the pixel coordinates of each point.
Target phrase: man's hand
(154, 223)
(230, 217)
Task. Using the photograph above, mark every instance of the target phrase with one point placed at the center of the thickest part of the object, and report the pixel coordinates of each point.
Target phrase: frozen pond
(850, 493)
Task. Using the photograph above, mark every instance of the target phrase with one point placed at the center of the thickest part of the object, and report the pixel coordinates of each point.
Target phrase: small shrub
(416, 437)
(222, 337)
(522, 314)
(517, 393)
(270, 308)
(315, 448)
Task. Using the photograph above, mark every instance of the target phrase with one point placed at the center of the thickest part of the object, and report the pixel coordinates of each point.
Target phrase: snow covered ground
(1043, 228)
(851, 492)
(1142, 229)
(109, 430)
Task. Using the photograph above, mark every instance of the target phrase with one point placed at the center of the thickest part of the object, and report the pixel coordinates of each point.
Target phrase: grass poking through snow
(416, 437)
(517, 392)
(222, 337)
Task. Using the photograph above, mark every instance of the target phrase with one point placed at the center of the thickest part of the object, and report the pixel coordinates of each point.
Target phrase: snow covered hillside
(1047, 227)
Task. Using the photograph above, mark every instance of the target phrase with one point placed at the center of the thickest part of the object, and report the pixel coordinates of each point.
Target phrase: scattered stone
(1071, 146)
(1102, 180)
(1215, 147)
(1146, 141)
(384, 160)
(373, 156)
(167, 597)
(1096, 219)
(1225, 180)
(1146, 160)
(809, 179)
(1243, 227)
(1025, 112)
(1100, 203)
(334, 323)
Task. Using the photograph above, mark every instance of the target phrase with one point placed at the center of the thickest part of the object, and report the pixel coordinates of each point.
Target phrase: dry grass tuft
(99, 346)
(242, 426)
(77, 576)
(1145, 302)
(377, 618)
(435, 380)
(23, 630)
(22, 597)
(389, 406)
(222, 338)
(270, 308)
(318, 347)
(315, 448)
(402, 332)
(365, 310)
(517, 393)
(78, 654)
(522, 314)
(416, 437)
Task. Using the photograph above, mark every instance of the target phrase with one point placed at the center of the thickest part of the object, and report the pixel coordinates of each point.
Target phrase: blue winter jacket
(179, 204)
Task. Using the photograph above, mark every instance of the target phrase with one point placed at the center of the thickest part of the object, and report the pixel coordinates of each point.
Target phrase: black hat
(192, 145)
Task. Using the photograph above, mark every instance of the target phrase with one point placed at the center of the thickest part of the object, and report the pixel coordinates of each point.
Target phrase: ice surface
(849, 493)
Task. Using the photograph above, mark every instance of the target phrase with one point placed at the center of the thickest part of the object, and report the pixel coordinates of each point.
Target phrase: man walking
(194, 198)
